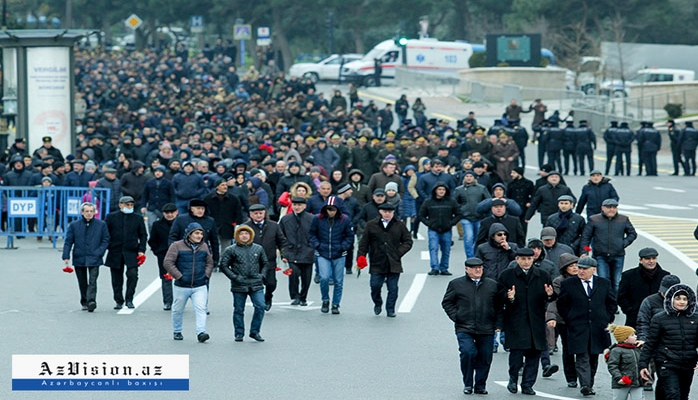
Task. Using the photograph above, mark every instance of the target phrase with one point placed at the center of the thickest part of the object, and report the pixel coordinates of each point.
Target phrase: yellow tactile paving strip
(674, 231)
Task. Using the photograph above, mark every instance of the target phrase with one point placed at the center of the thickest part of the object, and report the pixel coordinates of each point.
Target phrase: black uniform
(569, 146)
(688, 142)
(652, 142)
(609, 138)
(624, 138)
(585, 146)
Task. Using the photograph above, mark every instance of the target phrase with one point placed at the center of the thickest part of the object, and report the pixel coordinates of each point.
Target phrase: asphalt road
(309, 355)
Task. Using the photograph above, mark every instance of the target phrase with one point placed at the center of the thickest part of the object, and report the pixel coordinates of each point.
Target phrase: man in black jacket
(159, 243)
(126, 245)
(299, 254)
(197, 213)
(385, 240)
(473, 304)
(439, 213)
(268, 235)
(226, 210)
(638, 283)
(567, 224)
(500, 215)
(545, 199)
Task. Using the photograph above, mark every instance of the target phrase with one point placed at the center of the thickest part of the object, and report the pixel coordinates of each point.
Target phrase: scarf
(564, 222)
(649, 274)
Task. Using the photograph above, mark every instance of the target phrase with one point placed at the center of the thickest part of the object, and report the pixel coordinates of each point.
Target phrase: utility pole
(330, 30)
(68, 13)
(4, 15)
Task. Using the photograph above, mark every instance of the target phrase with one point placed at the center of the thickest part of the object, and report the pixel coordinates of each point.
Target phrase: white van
(422, 54)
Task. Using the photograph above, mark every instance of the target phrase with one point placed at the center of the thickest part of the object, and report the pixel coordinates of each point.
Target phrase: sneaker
(203, 336)
(167, 307)
(91, 306)
(84, 308)
(238, 338)
(178, 336)
(550, 370)
(295, 302)
(433, 272)
(446, 272)
(587, 391)
(129, 304)
(391, 314)
(349, 271)
(571, 384)
(325, 307)
(335, 309)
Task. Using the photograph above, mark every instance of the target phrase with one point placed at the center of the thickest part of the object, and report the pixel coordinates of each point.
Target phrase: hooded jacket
(189, 264)
(331, 237)
(440, 214)
(157, 193)
(484, 207)
(673, 334)
(594, 194)
(495, 259)
(289, 179)
(244, 263)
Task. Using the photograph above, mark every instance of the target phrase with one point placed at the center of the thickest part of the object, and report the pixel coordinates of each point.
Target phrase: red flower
(587, 248)
(626, 380)
(168, 277)
(361, 262)
(288, 271)
(140, 259)
(68, 269)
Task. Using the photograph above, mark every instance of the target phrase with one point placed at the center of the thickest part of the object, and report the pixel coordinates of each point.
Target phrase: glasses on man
(500, 234)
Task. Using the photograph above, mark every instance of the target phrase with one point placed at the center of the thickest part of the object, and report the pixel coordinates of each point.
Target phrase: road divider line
(424, 255)
(413, 294)
(142, 296)
(538, 393)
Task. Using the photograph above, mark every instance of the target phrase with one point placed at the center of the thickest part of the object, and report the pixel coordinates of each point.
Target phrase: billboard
(49, 97)
(520, 50)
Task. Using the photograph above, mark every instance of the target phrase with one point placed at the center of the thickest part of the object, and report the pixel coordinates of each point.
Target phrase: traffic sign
(263, 42)
(263, 32)
(196, 24)
(242, 32)
(134, 22)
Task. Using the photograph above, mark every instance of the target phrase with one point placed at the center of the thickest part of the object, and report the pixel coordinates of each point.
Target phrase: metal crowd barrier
(46, 211)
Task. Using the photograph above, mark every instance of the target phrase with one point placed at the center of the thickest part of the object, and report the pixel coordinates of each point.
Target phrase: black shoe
(118, 306)
(391, 314)
(84, 308)
(648, 388)
(167, 307)
(325, 307)
(256, 337)
(268, 306)
(550, 370)
(512, 387)
(377, 310)
(571, 384)
(203, 336)
(91, 306)
(468, 390)
(129, 304)
(433, 272)
(349, 271)
(555, 350)
(446, 272)
(414, 235)
(238, 338)
(316, 279)
(295, 302)
(529, 391)
(178, 336)
(480, 391)
(335, 309)
(304, 303)
(587, 391)
(494, 349)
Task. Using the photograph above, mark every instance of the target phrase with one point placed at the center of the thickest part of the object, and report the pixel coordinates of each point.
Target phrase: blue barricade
(46, 211)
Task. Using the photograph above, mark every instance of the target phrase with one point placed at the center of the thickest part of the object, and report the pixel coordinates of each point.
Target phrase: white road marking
(538, 394)
(668, 207)
(420, 237)
(424, 255)
(629, 207)
(669, 189)
(142, 296)
(410, 298)
(9, 311)
(693, 205)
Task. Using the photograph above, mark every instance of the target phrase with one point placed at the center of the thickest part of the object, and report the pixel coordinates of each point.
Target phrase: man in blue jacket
(331, 235)
(188, 185)
(88, 237)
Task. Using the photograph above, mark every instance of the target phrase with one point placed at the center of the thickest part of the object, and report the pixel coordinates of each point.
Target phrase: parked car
(327, 69)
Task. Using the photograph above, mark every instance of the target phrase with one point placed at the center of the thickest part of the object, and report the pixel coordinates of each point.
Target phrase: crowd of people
(236, 173)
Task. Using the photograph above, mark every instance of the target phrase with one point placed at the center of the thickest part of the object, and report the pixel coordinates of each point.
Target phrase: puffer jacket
(593, 195)
(673, 335)
(244, 263)
(610, 235)
(331, 237)
(650, 306)
(475, 310)
(622, 361)
(189, 264)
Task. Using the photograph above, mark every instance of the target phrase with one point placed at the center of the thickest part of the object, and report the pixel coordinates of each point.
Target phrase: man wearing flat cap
(298, 253)
(611, 233)
(126, 245)
(525, 291)
(638, 283)
(545, 199)
(587, 304)
(567, 224)
(385, 241)
(225, 208)
(473, 304)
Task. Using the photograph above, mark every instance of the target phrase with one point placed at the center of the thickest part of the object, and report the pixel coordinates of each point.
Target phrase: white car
(327, 69)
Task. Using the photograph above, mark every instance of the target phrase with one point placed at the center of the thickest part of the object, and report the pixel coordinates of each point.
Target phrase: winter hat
(90, 165)
(567, 259)
(391, 186)
(667, 282)
(621, 333)
(519, 170)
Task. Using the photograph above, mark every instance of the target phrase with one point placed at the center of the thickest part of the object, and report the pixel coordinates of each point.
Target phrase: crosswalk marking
(669, 207)
(538, 393)
(411, 297)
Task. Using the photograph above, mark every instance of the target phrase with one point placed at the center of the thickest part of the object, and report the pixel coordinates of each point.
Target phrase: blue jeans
(258, 302)
(470, 229)
(199, 297)
(610, 268)
(439, 241)
(475, 358)
(377, 281)
(331, 270)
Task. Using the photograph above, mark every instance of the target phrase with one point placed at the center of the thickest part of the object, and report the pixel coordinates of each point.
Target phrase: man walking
(299, 254)
(126, 249)
(439, 213)
(638, 283)
(88, 237)
(159, 244)
(473, 304)
(385, 240)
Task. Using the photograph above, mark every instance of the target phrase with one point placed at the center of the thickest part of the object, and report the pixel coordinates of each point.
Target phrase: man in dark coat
(525, 291)
(567, 224)
(439, 213)
(268, 235)
(197, 213)
(133, 182)
(226, 210)
(497, 252)
(499, 215)
(597, 189)
(158, 191)
(126, 245)
(159, 244)
(474, 305)
(545, 199)
(292, 175)
(88, 237)
(78, 177)
(521, 190)
(299, 254)
(385, 240)
(587, 304)
(638, 283)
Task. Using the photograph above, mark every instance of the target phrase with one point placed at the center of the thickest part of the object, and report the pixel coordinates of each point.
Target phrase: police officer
(609, 138)
(624, 139)
(651, 143)
(569, 145)
(555, 140)
(540, 133)
(674, 133)
(688, 142)
(585, 139)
